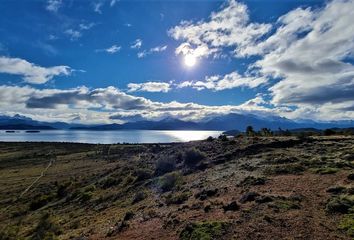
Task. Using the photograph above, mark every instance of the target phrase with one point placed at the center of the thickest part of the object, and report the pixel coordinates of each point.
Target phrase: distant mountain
(232, 121)
(19, 122)
(165, 124)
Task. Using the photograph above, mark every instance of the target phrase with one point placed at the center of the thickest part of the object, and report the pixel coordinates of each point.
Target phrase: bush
(326, 170)
(193, 156)
(328, 132)
(139, 196)
(170, 181)
(40, 201)
(210, 139)
(47, 228)
(204, 231)
(177, 198)
(347, 224)
(223, 138)
(110, 182)
(341, 204)
(142, 174)
(165, 165)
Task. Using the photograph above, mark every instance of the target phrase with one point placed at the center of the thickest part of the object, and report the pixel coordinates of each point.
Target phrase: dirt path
(51, 161)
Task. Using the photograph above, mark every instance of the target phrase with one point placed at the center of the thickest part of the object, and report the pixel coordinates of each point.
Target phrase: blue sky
(103, 61)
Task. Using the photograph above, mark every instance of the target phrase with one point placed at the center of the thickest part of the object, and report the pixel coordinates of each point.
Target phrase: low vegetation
(253, 186)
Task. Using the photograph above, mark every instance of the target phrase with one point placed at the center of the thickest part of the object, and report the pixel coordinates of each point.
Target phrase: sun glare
(190, 60)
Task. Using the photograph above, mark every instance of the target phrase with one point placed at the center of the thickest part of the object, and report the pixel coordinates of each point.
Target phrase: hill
(243, 188)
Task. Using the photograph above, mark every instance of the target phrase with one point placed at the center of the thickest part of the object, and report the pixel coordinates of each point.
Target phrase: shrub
(204, 230)
(326, 170)
(165, 165)
(40, 201)
(210, 139)
(110, 182)
(193, 156)
(223, 138)
(142, 174)
(177, 198)
(328, 132)
(47, 228)
(10, 233)
(250, 181)
(341, 204)
(139, 196)
(285, 169)
(250, 132)
(170, 181)
(347, 224)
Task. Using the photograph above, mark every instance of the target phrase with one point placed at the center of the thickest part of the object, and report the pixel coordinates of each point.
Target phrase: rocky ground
(242, 188)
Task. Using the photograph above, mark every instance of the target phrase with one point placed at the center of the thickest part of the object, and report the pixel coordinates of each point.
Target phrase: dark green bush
(177, 198)
(165, 165)
(139, 196)
(170, 181)
(193, 156)
(47, 228)
(142, 174)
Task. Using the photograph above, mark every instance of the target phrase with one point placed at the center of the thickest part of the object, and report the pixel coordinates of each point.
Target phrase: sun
(190, 60)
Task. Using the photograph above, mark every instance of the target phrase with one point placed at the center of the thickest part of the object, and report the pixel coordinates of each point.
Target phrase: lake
(106, 137)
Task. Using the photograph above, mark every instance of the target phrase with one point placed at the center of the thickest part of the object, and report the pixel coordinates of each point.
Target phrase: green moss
(347, 224)
(204, 231)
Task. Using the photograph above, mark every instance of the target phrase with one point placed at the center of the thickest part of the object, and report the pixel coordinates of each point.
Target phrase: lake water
(108, 137)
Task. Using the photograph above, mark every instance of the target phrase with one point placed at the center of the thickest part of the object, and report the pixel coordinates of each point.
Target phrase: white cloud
(151, 50)
(86, 26)
(113, 49)
(97, 7)
(82, 104)
(149, 87)
(54, 5)
(73, 34)
(306, 60)
(30, 72)
(137, 44)
(113, 2)
(229, 27)
(228, 81)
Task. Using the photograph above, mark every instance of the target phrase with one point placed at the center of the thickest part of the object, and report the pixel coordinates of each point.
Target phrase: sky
(105, 61)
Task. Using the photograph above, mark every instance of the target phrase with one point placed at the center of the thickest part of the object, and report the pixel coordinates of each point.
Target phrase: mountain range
(226, 122)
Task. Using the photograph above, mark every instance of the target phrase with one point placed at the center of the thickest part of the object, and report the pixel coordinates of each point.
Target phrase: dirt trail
(51, 161)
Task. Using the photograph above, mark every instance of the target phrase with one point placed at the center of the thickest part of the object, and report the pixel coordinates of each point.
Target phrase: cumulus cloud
(151, 51)
(137, 44)
(149, 87)
(228, 81)
(53, 5)
(30, 72)
(101, 105)
(304, 57)
(229, 27)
